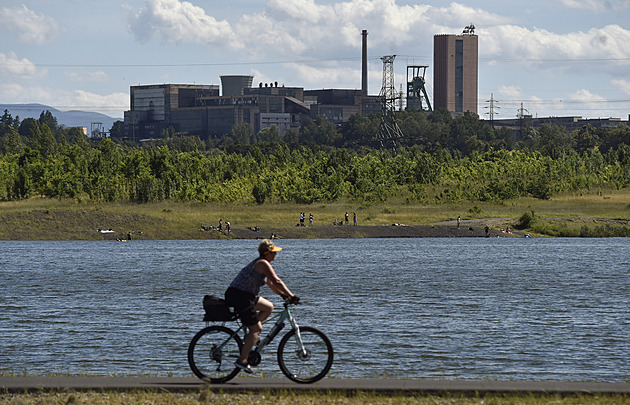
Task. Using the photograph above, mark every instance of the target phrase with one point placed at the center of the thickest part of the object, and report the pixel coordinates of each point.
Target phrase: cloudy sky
(557, 57)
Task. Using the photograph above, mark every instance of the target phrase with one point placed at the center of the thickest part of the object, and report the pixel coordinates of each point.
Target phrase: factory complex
(210, 111)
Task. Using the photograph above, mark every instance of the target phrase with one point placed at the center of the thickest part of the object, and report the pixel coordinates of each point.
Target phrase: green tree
(12, 142)
(49, 119)
(319, 131)
(613, 137)
(360, 130)
(261, 192)
(586, 138)
(77, 137)
(27, 126)
(43, 140)
(242, 133)
(168, 133)
(554, 141)
(271, 134)
(117, 129)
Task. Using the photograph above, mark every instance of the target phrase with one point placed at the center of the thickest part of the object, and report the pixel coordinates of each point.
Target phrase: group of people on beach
(220, 228)
(303, 218)
(346, 219)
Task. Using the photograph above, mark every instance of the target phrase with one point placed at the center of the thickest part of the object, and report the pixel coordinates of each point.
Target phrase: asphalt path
(260, 384)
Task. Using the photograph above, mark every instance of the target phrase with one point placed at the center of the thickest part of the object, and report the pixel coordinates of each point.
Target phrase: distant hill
(67, 118)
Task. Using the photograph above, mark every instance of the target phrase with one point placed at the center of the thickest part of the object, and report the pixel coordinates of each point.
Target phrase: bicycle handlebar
(294, 300)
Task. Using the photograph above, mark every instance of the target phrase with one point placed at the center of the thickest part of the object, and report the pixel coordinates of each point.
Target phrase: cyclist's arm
(273, 281)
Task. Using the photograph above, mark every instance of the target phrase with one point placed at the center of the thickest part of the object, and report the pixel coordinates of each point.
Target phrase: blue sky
(557, 57)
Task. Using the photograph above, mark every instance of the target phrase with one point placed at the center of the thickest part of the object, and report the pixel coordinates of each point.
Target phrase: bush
(475, 210)
(261, 191)
(526, 220)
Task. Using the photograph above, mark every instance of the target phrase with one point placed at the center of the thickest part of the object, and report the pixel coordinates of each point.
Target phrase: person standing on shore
(354, 218)
(242, 294)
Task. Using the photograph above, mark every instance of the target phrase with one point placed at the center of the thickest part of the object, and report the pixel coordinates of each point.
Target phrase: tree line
(441, 159)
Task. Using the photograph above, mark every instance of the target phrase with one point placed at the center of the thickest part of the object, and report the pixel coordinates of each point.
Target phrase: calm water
(518, 309)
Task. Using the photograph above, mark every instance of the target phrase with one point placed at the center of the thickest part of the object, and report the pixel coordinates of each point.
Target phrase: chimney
(364, 66)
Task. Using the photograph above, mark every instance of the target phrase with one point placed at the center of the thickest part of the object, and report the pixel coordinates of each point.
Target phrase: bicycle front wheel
(308, 365)
(212, 353)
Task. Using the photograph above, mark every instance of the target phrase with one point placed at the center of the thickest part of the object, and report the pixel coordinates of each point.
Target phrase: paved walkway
(252, 384)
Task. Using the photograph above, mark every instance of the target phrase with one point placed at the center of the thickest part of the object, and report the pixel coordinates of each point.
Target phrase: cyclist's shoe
(245, 367)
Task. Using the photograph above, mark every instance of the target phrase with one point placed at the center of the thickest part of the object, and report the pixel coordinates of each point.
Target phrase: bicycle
(305, 354)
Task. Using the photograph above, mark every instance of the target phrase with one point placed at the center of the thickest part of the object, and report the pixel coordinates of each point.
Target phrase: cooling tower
(234, 85)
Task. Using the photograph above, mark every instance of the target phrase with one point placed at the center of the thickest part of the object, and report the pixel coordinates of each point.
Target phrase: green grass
(50, 219)
(291, 398)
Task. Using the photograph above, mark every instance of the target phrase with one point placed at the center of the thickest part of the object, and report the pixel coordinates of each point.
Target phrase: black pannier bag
(216, 309)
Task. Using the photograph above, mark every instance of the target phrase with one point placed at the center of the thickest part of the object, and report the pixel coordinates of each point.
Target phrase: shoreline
(100, 224)
(368, 231)
(271, 232)
(386, 386)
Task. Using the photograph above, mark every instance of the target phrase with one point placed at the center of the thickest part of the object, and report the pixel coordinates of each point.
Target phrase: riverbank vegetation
(286, 397)
(570, 214)
(444, 164)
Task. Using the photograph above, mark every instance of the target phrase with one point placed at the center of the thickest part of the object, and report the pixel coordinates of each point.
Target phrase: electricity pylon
(389, 130)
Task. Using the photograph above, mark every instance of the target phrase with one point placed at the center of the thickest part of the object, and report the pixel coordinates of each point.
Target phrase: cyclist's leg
(264, 308)
(250, 339)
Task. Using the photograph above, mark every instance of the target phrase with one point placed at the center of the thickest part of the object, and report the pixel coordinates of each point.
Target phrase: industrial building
(200, 110)
(570, 123)
(455, 71)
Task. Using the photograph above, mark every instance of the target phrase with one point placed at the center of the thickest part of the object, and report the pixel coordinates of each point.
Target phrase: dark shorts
(245, 305)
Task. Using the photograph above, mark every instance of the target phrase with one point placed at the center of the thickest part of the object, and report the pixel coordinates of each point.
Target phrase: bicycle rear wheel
(212, 353)
(309, 366)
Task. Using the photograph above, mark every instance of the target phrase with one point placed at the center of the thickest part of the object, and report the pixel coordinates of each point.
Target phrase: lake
(452, 308)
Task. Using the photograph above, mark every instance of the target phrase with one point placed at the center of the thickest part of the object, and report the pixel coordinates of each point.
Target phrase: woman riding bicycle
(242, 294)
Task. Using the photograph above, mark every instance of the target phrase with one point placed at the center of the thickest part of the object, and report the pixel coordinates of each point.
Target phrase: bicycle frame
(284, 315)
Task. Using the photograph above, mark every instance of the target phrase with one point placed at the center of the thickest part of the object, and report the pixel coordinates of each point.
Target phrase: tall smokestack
(364, 66)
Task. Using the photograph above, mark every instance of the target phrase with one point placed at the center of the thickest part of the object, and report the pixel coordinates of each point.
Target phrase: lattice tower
(389, 130)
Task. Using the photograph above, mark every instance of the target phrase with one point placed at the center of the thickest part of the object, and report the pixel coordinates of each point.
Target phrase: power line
(564, 102)
(144, 65)
(304, 61)
(519, 60)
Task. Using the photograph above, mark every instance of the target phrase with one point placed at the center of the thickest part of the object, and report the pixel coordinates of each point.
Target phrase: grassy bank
(289, 398)
(601, 214)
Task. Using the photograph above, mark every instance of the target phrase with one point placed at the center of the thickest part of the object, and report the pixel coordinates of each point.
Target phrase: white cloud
(548, 49)
(28, 25)
(331, 75)
(591, 104)
(12, 65)
(82, 75)
(180, 21)
(106, 104)
(597, 6)
(585, 96)
(294, 29)
(510, 92)
(109, 104)
(300, 27)
(624, 85)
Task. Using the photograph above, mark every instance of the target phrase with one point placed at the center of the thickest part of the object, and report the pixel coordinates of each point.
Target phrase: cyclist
(242, 294)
